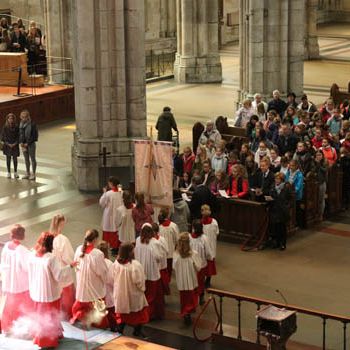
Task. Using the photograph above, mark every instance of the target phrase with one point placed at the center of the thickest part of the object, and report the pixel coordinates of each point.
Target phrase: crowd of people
(287, 142)
(38, 284)
(16, 137)
(16, 38)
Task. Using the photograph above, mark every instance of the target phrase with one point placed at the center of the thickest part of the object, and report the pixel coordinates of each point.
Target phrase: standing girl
(63, 251)
(148, 252)
(211, 231)
(142, 213)
(131, 307)
(10, 140)
(91, 280)
(14, 268)
(45, 278)
(187, 264)
(110, 201)
(125, 224)
(170, 232)
(28, 136)
(200, 244)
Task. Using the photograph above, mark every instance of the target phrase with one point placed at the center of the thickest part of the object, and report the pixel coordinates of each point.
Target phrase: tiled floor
(313, 272)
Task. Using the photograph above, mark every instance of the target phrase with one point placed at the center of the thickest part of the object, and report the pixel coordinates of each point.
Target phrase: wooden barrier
(43, 108)
(334, 190)
(310, 202)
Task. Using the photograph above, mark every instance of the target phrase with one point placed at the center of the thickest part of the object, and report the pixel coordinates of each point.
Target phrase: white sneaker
(32, 177)
(8, 175)
(25, 177)
(16, 176)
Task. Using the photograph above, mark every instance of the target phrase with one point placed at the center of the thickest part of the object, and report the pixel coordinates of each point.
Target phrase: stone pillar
(312, 49)
(197, 58)
(109, 78)
(163, 18)
(271, 47)
(59, 45)
(171, 30)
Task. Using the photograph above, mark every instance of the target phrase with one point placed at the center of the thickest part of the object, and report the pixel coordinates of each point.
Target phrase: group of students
(39, 289)
(19, 136)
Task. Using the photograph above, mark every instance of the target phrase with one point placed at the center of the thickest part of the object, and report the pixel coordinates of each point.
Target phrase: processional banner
(154, 171)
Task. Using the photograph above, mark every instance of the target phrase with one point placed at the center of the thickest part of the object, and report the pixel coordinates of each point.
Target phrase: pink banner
(154, 171)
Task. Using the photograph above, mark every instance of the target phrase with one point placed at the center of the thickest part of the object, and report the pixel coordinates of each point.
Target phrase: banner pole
(150, 164)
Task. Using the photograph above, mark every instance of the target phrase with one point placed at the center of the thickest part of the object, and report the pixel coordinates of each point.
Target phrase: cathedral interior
(126, 60)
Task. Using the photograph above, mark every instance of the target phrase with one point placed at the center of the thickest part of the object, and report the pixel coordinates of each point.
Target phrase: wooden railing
(259, 302)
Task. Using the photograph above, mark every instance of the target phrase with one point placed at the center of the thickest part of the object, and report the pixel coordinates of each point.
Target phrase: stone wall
(333, 11)
(230, 31)
(31, 10)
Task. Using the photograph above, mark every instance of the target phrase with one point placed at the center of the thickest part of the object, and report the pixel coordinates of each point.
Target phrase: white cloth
(186, 270)
(110, 201)
(63, 251)
(255, 106)
(91, 275)
(14, 268)
(211, 231)
(149, 255)
(129, 287)
(109, 285)
(201, 246)
(45, 277)
(171, 235)
(125, 224)
(163, 261)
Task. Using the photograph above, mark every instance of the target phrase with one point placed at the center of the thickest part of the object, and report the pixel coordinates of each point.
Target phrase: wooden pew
(310, 201)
(339, 96)
(334, 190)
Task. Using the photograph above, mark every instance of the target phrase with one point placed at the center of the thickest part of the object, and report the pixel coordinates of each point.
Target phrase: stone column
(59, 45)
(109, 78)
(163, 18)
(197, 58)
(171, 30)
(271, 47)
(312, 49)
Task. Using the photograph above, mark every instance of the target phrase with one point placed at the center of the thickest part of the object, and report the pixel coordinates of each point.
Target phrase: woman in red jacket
(238, 183)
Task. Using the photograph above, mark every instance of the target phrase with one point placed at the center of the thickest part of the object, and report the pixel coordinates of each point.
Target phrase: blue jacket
(298, 184)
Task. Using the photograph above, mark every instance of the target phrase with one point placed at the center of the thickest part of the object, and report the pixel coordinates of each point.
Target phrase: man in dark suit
(201, 195)
(264, 180)
(286, 141)
(18, 40)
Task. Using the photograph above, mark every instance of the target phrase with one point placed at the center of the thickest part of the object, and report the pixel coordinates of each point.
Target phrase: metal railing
(158, 65)
(240, 298)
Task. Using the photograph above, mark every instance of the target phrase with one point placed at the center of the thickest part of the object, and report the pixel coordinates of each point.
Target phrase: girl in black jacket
(10, 140)
(279, 211)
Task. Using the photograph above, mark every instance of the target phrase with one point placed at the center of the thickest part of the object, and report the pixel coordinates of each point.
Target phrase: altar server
(163, 264)
(211, 231)
(148, 251)
(14, 269)
(104, 247)
(170, 231)
(199, 243)
(45, 276)
(125, 223)
(91, 283)
(186, 264)
(130, 303)
(110, 201)
(63, 251)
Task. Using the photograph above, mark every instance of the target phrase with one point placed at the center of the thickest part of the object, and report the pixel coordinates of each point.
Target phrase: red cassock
(81, 312)
(155, 298)
(16, 305)
(211, 268)
(164, 276)
(201, 279)
(67, 301)
(112, 238)
(188, 301)
(170, 268)
(49, 329)
(134, 318)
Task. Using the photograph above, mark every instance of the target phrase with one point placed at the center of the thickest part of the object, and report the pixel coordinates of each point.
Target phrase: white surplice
(125, 224)
(110, 201)
(171, 234)
(201, 246)
(211, 231)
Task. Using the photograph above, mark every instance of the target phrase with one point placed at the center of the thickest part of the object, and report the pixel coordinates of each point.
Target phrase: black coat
(279, 207)
(286, 144)
(201, 196)
(265, 183)
(165, 123)
(10, 136)
(278, 105)
(21, 40)
(33, 135)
